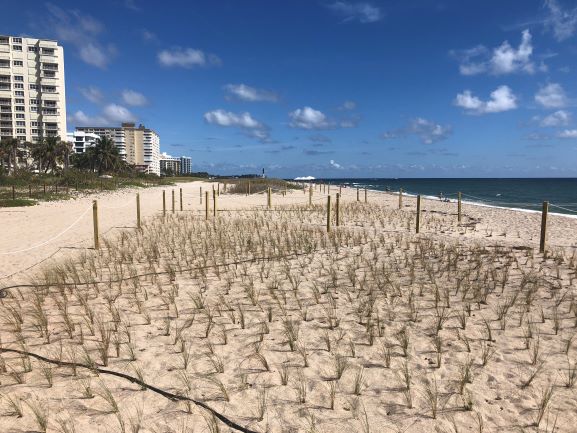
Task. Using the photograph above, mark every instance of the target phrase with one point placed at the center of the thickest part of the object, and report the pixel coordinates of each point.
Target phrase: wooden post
(172, 201)
(249, 187)
(181, 199)
(95, 223)
(56, 186)
(163, 202)
(44, 186)
(358, 194)
(213, 202)
(543, 240)
(328, 213)
(340, 189)
(365, 195)
(400, 198)
(268, 199)
(418, 226)
(459, 207)
(201, 195)
(13, 193)
(337, 210)
(206, 205)
(30, 191)
(310, 195)
(218, 189)
(138, 210)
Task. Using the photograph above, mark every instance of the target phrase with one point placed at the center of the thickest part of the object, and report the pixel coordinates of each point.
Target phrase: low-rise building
(169, 164)
(81, 140)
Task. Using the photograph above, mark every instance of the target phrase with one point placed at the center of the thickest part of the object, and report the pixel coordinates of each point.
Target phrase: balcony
(4, 78)
(50, 113)
(5, 109)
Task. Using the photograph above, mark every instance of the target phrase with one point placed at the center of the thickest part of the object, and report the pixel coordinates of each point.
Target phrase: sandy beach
(279, 326)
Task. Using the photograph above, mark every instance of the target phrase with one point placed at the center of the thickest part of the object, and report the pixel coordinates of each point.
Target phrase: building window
(17, 47)
(17, 40)
(34, 101)
(19, 116)
(18, 108)
(49, 89)
(19, 93)
(34, 131)
(47, 50)
(19, 101)
(32, 49)
(18, 85)
(18, 78)
(20, 131)
(18, 63)
(33, 123)
(20, 123)
(49, 74)
(33, 86)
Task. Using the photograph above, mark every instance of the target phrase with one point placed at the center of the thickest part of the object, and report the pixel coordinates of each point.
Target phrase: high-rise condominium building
(138, 146)
(185, 165)
(32, 90)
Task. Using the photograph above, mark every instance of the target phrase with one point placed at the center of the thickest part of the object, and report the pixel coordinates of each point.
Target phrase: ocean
(561, 193)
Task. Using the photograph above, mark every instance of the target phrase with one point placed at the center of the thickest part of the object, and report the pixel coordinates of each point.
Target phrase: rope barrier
(51, 239)
(173, 397)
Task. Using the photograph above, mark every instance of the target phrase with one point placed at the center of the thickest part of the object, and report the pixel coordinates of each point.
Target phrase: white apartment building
(138, 146)
(177, 165)
(32, 89)
(169, 163)
(82, 140)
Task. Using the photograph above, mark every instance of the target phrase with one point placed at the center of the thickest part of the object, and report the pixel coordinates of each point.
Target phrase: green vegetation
(241, 186)
(48, 170)
(19, 202)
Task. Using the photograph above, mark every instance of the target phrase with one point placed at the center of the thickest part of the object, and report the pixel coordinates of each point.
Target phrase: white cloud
(148, 36)
(429, 132)
(502, 60)
(81, 31)
(552, 96)
(249, 94)
(111, 115)
(118, 113)
(248, 124)
(348, 105)
(362, 12)
(226, 118)
(187, 58)
(309, 118)
(93, 94)
(568, 133)
(335, 164)
(562, 22)
(502, 99)
(558, 118)
(506, 59)
(136, 99)
(94, 55)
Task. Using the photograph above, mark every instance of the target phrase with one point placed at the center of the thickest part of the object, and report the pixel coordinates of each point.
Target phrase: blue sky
(412, 88)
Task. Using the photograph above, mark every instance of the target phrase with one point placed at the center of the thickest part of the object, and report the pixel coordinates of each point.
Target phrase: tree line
(51, 154)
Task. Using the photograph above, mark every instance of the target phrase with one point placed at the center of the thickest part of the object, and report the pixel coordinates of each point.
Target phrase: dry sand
(345, 299)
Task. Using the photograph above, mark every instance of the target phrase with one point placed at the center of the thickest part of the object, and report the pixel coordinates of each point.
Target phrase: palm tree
(50, 152)
(106, 155)
(9, 149)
